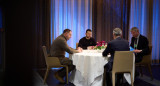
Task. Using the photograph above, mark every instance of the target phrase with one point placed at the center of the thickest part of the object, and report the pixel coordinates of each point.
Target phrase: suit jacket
(60, 46)
(142, 45)
(118, 44)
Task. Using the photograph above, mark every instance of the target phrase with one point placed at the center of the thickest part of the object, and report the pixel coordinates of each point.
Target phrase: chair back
(150, 50)
(123, 61)
(51, 61)
(147, 58)
(45, 52)
(146, 61)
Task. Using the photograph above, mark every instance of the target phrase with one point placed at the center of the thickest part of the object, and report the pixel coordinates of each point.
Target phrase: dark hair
(88, 30)
(66, 30)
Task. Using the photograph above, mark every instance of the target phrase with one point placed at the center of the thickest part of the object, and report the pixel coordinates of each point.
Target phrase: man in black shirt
(87, 40)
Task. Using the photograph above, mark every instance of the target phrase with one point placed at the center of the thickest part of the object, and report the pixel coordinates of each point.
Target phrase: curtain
(0, 36)
(19, 25)
(140, 17)
(75, 15)
(146, 16)
(0, 17)
(41, 32)
(109, 14)
(156, 31)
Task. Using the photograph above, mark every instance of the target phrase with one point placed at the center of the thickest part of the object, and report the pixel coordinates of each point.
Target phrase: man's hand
(90, 47)
(79, 49)
(137, 51)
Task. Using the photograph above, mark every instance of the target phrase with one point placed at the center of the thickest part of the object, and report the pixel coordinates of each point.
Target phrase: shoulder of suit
(119, 39)
(111, 41)
(143, 36)
(126, 41)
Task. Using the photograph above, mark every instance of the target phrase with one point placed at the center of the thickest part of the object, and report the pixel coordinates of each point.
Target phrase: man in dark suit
(118, 44)
(140, 44)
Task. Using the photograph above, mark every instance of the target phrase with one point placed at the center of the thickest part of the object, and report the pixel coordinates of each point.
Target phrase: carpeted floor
(139, 81)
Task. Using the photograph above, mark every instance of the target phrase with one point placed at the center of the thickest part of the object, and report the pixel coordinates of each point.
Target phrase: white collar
(138, 36)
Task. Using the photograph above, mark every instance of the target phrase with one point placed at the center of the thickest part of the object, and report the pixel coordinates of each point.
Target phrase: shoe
(58, 78)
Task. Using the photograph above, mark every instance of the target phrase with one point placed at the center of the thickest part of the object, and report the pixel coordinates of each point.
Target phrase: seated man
(87, 40)
(139, 43)
(118, 44)
(58, 48)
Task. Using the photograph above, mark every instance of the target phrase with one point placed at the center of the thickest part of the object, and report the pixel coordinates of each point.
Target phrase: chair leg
(132, 78)
(113, 79)
(149, 68)
(141, 70)
(104, 77)
(46, 74)
(122, 79)
(67, 74)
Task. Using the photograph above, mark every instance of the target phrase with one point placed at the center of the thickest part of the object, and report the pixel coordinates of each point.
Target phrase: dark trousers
(65, 61)
(138, 58)
(108, 67)
(109, 79)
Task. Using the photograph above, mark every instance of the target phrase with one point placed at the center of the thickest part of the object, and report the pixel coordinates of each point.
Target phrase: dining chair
(146, 61)
(123, 62)
(52, 62)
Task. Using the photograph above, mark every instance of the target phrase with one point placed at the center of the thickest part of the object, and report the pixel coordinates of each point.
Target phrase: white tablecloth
(89, 68)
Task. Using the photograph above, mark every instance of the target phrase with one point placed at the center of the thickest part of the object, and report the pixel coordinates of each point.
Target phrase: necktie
(135, 43)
